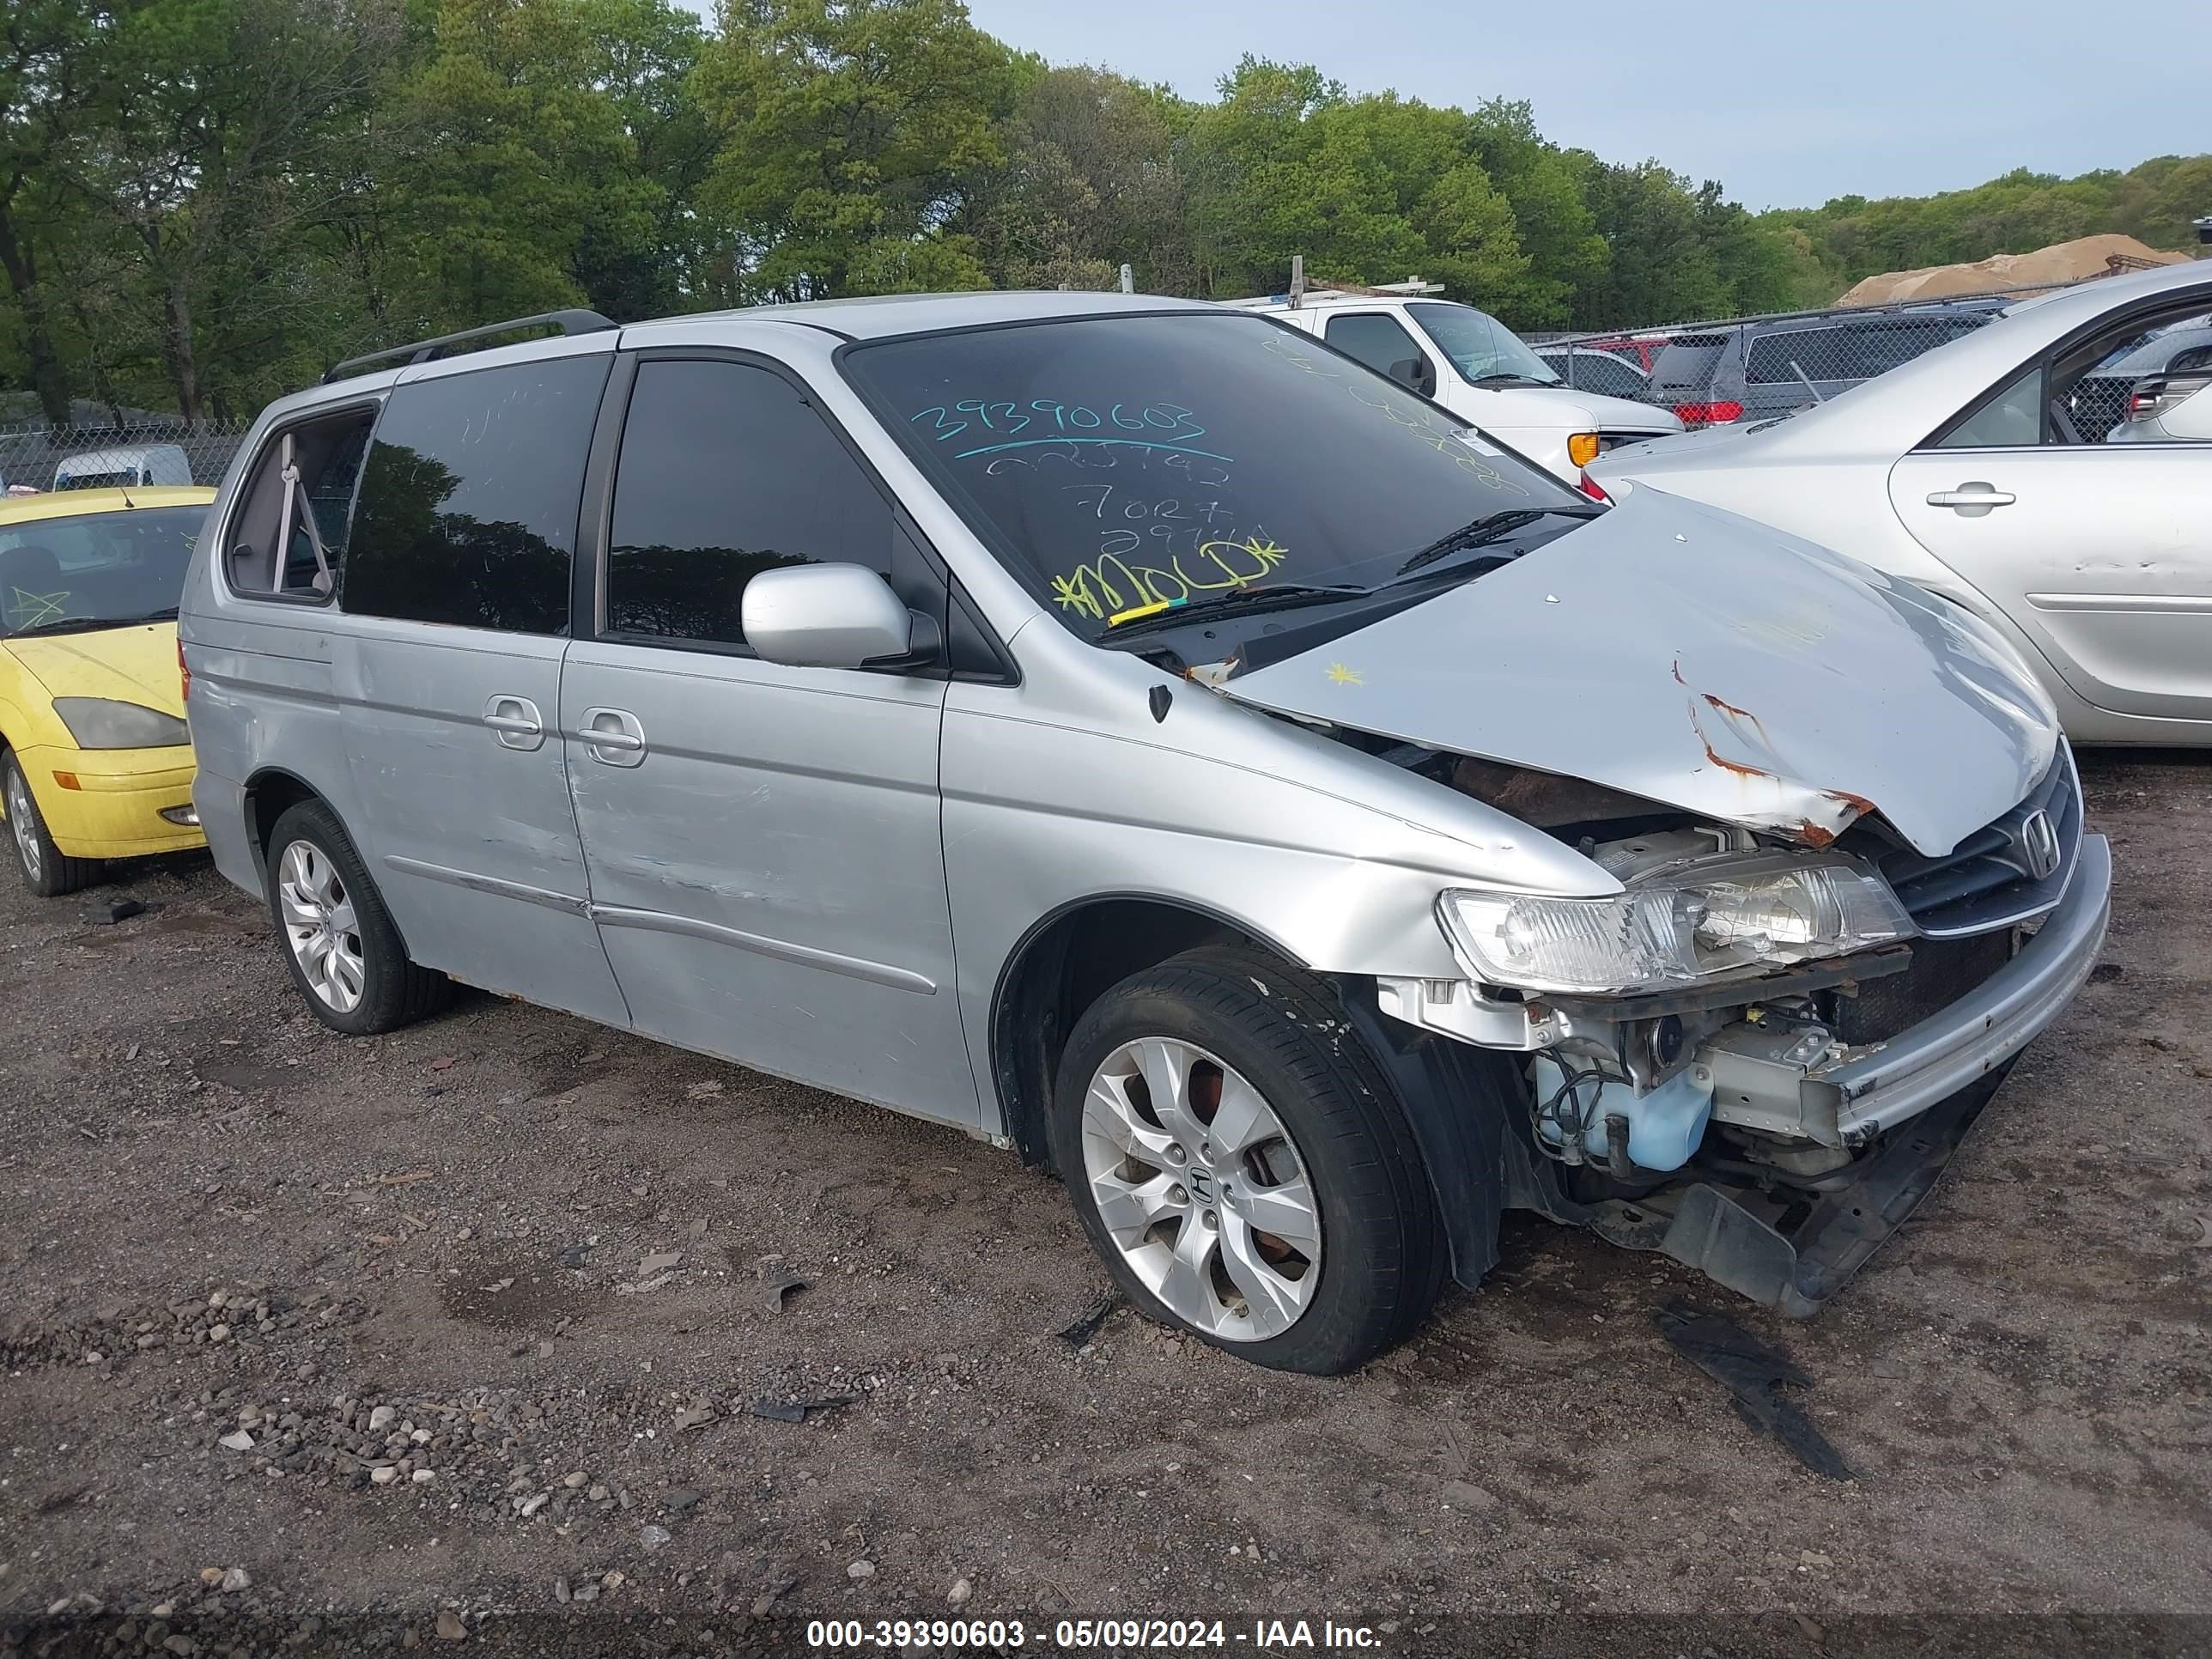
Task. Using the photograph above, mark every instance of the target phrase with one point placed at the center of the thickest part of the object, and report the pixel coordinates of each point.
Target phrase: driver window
(2133, 390)
(2136, 382)
(1374, 337)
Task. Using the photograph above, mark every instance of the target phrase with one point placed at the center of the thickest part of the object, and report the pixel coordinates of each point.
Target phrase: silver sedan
(1967, 471)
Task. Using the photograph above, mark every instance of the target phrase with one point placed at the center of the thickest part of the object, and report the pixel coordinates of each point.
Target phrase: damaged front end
(1835, 871)
(1760, 1054)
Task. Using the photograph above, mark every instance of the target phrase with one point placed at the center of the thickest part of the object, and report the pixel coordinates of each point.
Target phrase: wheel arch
(268, 795)
(1059, 967)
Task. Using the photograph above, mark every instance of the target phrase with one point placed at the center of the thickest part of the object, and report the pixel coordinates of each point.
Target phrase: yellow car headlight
(104, 723)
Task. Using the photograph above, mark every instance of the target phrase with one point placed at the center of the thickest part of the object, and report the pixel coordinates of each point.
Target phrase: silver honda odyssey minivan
(1140, 736)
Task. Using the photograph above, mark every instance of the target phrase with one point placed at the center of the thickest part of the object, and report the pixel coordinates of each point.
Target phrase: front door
(766, 860)
(454, 595)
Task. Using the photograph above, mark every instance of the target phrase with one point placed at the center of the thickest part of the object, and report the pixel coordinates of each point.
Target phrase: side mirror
(1415, 372)
(826, 616)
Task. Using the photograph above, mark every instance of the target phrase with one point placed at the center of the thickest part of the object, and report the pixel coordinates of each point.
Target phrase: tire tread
(399, 991)
(1374, 1163)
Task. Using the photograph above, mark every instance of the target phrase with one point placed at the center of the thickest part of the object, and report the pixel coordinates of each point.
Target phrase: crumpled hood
(1689, 656)
(137, 664)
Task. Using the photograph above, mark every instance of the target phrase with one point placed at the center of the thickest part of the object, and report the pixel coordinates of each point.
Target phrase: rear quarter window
(1687, 364)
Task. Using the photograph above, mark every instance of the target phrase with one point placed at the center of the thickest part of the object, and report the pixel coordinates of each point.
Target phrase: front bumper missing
(1762, 1081)
(1796, 1268)
(1924, 1088)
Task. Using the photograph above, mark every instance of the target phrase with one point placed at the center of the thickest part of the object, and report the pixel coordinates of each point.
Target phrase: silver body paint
(825, 873)
(2097, 566)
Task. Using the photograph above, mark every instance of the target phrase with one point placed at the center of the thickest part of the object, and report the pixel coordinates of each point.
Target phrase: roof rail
(572, 321)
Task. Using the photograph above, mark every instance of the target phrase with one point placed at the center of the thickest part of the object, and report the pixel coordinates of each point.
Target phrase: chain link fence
(34, 460)
(1755, 368)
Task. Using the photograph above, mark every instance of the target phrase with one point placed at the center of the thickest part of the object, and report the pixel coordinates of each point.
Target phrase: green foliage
(202, 203)
(846, 125)
(1851, 238)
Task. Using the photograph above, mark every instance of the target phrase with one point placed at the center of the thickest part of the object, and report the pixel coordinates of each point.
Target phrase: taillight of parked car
(1591, 487)
(184, 673)
(1719, 413)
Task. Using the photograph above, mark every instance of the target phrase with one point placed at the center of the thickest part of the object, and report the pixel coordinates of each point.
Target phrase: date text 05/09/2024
(1091, 1635)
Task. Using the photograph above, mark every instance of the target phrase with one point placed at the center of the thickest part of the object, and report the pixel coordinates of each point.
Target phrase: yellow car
(95, 761)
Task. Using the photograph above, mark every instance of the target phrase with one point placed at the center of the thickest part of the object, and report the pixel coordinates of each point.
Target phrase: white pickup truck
(1475, 367)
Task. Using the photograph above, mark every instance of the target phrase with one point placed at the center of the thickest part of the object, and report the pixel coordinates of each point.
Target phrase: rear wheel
(339, 941)
(45, 869)
(1240, 1163)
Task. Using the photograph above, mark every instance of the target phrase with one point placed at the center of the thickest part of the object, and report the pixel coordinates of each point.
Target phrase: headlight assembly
(1680, 926)
(102, 723)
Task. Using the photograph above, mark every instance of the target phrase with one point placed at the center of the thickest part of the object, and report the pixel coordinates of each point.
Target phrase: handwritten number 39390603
(1044, 417)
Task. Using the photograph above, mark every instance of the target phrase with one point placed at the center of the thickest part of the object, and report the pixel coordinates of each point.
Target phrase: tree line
(203, 202)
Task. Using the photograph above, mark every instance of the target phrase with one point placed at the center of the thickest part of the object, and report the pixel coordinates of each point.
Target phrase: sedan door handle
(1971, 500)
(614, 736)
(516, 722)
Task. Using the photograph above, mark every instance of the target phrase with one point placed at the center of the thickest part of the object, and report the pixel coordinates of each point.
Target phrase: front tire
(45, 869)
(1239, 1161)
(338, 941)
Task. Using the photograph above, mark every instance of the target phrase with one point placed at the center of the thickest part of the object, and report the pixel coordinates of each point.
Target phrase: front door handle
(1971, 500)
(613, 737)
(515, 722)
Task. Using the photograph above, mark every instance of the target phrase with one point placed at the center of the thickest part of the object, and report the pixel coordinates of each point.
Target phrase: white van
(1475, 367)
(132, 466)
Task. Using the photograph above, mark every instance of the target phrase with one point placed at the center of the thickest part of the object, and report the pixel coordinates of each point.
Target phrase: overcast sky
(1786, 104)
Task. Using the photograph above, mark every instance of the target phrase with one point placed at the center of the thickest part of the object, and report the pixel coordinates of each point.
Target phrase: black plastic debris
(116, 910)
(781, 1285)
(795, 1411)
(1754, 1375)
(1088, 1321)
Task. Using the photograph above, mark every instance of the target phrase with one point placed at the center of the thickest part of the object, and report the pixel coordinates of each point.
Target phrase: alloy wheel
(20, 821)
(320, 925)
(1201, 1189)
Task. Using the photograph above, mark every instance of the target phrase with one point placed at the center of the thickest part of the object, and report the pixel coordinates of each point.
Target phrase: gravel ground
(466, 1334)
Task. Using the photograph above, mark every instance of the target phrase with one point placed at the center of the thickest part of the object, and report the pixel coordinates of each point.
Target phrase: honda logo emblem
(2039, 844)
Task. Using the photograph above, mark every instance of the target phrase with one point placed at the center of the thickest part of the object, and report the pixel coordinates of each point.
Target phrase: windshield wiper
(1488, 528)
(1273, 595)
(1506, 377)
(81, 625)
(57, 625)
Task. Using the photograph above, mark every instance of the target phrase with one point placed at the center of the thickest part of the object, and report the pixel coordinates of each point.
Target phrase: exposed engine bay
(1722, 1104)
(1634, 1087)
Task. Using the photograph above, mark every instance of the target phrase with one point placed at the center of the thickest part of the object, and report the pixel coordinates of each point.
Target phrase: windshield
(97, 569)
(1480, 345)
(1186, 459)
